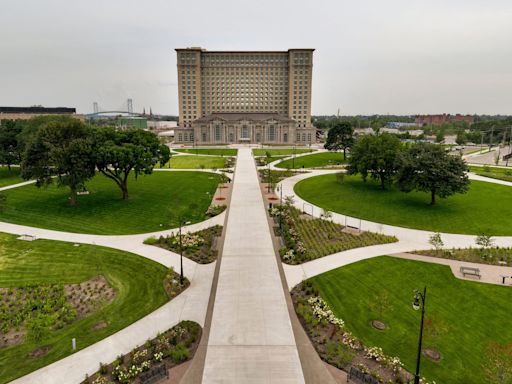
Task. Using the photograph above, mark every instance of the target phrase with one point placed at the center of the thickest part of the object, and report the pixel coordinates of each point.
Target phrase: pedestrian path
(251, 337)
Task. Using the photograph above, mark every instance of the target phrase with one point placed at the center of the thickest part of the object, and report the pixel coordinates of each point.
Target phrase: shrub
(179, 354)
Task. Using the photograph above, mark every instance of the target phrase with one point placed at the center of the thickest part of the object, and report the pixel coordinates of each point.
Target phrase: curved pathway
(189, 305)
(409, 239)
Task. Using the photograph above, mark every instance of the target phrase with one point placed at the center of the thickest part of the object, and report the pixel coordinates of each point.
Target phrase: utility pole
(490, 141)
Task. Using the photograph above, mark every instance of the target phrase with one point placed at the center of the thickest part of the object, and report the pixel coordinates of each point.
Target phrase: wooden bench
(360, 377)
(470, 271)
(154, 375)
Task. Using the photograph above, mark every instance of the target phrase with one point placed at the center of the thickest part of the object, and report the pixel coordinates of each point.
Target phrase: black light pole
(181, 250)
(416, 304)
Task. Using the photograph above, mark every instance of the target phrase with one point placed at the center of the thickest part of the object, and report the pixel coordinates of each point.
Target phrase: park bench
(360, 377)
(154, 375)
(27, 238)
(470, 271)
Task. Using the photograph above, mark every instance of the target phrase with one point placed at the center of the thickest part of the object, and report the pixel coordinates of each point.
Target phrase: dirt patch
(99, 325)
(378, 325)
(39, 352)
(89, 296)
(432, 354)
(13, 337)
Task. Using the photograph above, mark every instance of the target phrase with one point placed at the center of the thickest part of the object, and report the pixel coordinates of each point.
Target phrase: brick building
(442, 119)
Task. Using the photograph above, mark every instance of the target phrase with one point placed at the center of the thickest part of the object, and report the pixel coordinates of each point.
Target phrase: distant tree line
(69, 152)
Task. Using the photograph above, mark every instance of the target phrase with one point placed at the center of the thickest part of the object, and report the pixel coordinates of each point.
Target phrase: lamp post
(419, 302)
(182, 223)
(280, 189)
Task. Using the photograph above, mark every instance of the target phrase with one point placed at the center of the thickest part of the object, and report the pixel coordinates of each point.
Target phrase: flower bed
(200, 246)
(491, 255)
(215, 210)
(336, 345)
(36, 310)
(170, 349)
(307, 238)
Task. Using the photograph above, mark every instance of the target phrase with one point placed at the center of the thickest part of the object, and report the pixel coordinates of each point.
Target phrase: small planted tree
(485, 242)
(380, 304)
(436, 241)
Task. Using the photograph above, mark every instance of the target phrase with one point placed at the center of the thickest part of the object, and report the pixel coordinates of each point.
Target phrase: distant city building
(363, 131)
(25, 113)
(399, 124)
(442, 119)
(131, 122)
(245, 97)
(162, 125)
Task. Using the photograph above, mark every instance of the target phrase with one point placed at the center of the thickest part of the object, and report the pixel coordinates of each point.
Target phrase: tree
(340, 137)
(461, 137)
(120, 152)
(440, 136)
(436, 241)
(375, 156)
(60, 150)
(427, 167)
(10, 146)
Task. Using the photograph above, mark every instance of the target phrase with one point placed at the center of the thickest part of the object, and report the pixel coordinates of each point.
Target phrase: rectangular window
(217, 133)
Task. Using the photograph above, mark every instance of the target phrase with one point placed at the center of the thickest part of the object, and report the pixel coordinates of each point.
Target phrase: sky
(371, 56)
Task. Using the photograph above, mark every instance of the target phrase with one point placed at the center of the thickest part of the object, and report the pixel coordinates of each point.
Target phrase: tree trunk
(9, 167)
(382, 181)
(344, 153)
(433, 197)
(124, 188)
(72, 197)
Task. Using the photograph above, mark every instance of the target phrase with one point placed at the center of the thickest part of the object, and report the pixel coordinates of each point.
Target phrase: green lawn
(196, 162)
(471, 313)
(209, 151)
(156, 201)
(280, 151)
(10, 177)
(315, 160)
(138, 283)
(493, 172)
(485, 208)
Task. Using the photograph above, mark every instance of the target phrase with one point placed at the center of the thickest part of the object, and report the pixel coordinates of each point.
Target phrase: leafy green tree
(60, 150)
(427, 167)
(340, 137)
(375, 156)
(10, 146)
(120, 152)
(440, 136)
(461, 138)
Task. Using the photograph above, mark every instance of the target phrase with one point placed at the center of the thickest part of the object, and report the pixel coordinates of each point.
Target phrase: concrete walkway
(251, 337)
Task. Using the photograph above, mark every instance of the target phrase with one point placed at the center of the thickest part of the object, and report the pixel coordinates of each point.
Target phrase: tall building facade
(244, 96)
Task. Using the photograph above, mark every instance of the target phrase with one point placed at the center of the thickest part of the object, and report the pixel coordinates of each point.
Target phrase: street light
(182, 223)
(419, 302)
(280, 189)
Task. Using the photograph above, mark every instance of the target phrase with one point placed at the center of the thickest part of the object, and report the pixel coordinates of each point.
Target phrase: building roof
(205, 50)
(236, 116)
(36, 110)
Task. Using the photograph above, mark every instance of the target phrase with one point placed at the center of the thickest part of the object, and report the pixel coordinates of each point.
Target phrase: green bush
(179, 354)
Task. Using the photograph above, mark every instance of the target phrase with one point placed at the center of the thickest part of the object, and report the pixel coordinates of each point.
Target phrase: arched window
(217, 133)
(244, 132)
(271, 133)
(285, 137)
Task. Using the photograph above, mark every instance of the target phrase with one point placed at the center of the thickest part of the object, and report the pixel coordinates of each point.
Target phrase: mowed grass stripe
(486, 208)
(156, 202)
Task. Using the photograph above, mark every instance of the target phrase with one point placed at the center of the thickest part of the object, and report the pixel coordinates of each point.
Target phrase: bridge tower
(95, 108)
(129, 103)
